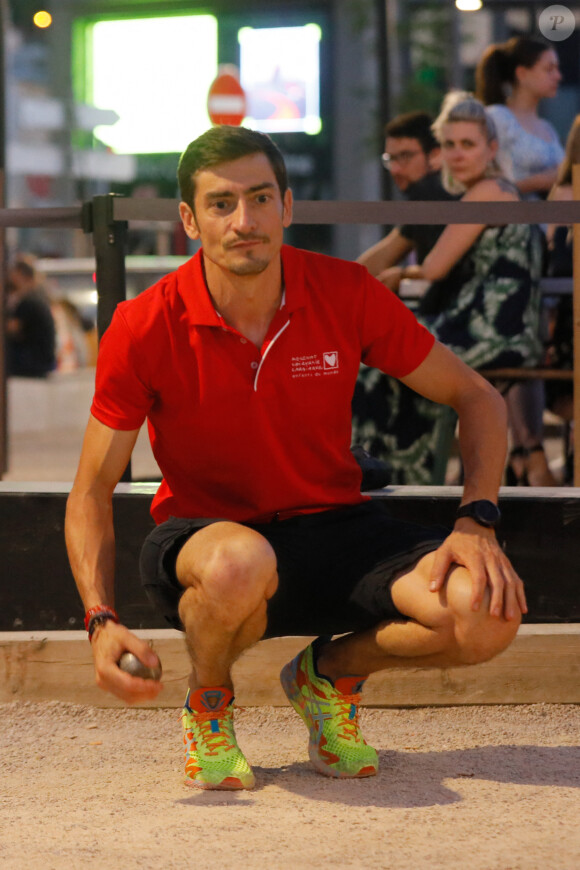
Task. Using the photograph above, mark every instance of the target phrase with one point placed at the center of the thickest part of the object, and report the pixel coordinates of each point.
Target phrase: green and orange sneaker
(213, 758)
(330, 712)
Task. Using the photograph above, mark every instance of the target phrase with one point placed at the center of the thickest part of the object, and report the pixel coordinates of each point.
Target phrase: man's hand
(477, 549)
(110, 641)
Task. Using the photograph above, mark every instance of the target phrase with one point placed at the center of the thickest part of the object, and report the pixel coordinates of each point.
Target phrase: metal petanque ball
(134, 666)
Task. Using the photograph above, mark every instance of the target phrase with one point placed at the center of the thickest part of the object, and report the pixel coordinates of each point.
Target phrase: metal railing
(107, 217)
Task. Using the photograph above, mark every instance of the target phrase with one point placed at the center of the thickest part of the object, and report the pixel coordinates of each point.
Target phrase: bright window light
(155, 73)
(279, 71)
(468, 5)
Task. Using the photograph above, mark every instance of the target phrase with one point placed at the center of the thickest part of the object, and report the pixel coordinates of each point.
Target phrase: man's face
(239, 214)
(407, 161)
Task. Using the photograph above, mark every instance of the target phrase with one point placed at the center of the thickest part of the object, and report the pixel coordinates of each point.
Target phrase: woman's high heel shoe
(515, 473)
(527, 466)
(538, 471)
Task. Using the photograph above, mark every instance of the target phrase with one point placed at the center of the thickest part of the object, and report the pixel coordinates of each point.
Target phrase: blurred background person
(413, 157)
(30, 328)
(560, 353)
(512, 78)
(487, 313)
(559, 238)
(74, 337)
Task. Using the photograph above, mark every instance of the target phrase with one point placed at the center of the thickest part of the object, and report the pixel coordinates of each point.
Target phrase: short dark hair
(220, 145)
(25, 268)
(413, 125)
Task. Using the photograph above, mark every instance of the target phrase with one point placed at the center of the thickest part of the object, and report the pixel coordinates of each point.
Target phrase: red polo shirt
(246, 433)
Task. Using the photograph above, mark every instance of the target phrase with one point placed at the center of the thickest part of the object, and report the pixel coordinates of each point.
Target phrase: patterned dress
(487, 311)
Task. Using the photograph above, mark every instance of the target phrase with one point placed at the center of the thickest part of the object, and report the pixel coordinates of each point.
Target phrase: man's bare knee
(238, 566)
(478, 636)
(489, 637)
(229, 573)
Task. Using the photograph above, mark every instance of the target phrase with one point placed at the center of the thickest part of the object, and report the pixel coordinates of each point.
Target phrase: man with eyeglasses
(412, 156)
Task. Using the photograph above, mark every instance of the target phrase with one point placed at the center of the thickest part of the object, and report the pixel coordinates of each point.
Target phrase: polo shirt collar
(192, 288)
(294, 285)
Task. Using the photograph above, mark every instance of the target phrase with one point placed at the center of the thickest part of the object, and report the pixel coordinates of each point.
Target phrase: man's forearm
(90, 541)
(483, 443)
(385, 253)
(442, 377)
(89, 531)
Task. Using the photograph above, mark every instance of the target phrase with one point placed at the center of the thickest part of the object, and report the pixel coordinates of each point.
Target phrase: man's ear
(434, 160)
(188, 220)
(287, 208)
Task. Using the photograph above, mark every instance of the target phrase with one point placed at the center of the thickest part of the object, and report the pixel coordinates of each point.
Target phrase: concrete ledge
(541, 666)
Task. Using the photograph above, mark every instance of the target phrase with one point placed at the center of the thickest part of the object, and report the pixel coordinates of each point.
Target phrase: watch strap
(483, 511)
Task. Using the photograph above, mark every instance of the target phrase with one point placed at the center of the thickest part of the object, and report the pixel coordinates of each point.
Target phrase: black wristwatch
(483, 511)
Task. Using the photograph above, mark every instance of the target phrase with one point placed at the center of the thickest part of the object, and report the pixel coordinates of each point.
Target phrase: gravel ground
(482, 788)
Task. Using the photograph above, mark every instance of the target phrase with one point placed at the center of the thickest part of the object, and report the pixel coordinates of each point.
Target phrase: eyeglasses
(403, 158)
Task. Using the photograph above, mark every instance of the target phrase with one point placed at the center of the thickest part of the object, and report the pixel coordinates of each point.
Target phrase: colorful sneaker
(213, 758)
(330, 712)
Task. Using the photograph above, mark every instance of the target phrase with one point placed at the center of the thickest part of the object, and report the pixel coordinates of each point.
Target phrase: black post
(4, 18)
(385, 97)
(109, 239)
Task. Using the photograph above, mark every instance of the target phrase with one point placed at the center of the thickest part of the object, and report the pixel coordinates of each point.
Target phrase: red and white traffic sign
(226, 99)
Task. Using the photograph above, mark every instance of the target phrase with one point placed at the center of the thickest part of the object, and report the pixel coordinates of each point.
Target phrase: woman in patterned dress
(483, 301)
(512, 79)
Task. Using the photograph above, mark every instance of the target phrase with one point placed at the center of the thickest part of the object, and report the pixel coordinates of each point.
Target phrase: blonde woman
(484, 297)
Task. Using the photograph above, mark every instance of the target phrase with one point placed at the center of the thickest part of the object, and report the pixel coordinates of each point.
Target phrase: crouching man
(243, 362)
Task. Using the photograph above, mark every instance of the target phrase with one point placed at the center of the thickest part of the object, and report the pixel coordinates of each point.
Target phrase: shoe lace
(347, 723)
(215, 740)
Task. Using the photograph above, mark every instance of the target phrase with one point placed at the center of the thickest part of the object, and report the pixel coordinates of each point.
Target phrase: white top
(522, 153)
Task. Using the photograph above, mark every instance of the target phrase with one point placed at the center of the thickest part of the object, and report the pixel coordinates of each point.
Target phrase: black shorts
(335, 568)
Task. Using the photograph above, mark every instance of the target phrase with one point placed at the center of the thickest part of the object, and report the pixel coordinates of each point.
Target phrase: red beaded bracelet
(97, 616)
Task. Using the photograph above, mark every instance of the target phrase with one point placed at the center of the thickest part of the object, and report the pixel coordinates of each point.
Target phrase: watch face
(486, 512)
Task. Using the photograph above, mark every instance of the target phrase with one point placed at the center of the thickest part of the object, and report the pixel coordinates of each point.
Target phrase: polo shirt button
(254, 365)
(243, 340)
